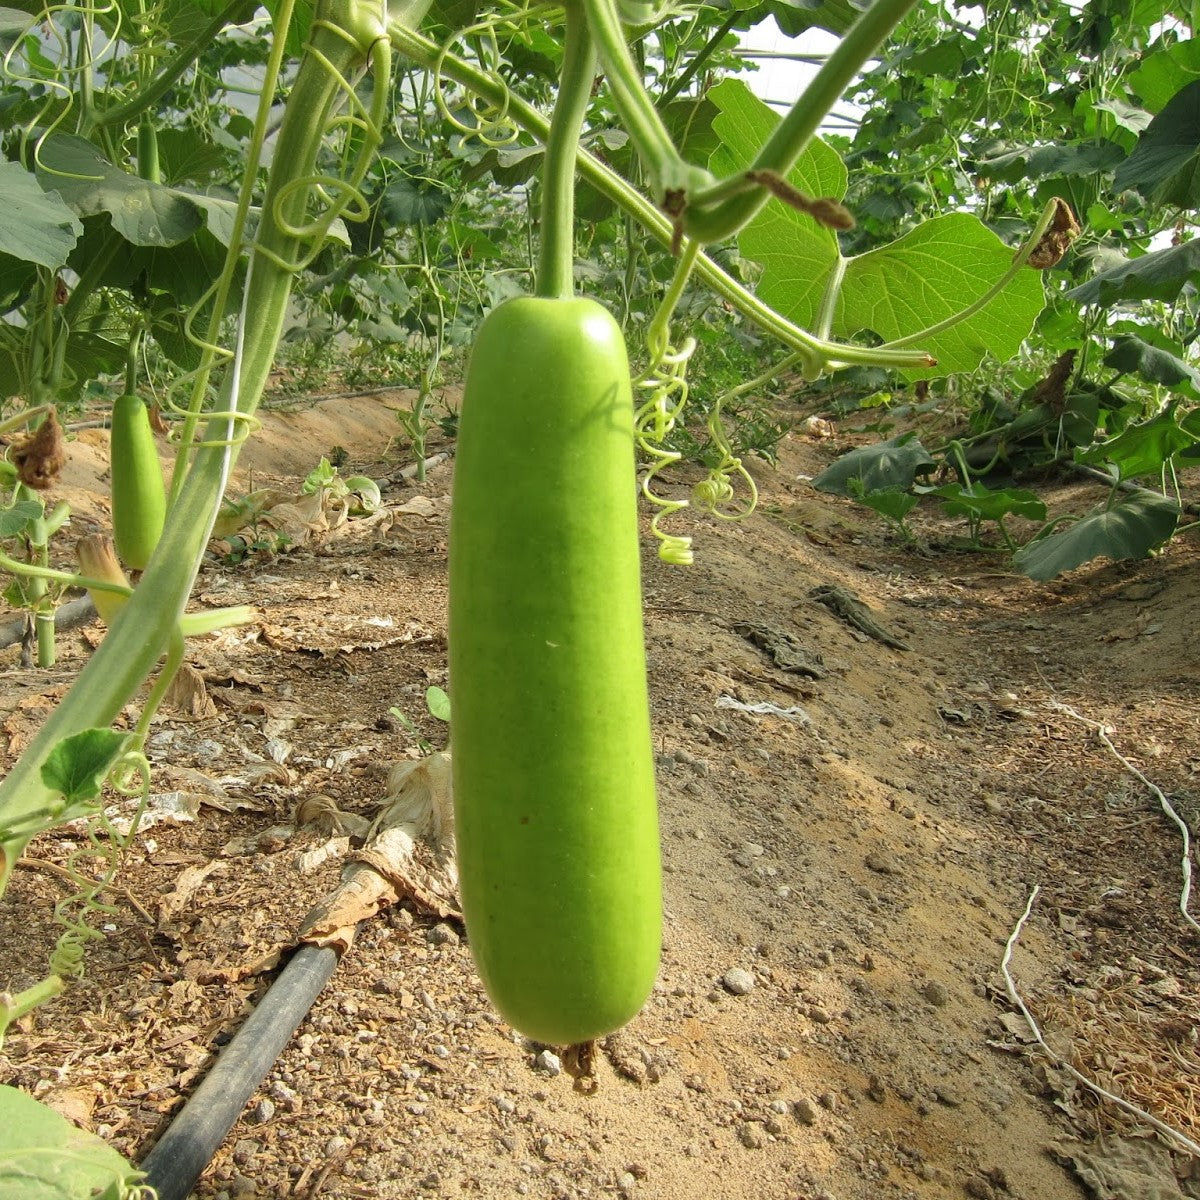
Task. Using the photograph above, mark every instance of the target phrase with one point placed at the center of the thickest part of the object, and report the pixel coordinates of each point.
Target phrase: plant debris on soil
(851, 829)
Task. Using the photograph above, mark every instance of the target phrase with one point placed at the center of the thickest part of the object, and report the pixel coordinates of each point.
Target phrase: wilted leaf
(1165, 163)
(1142, 449)
(1132, 356)
(1160, 275)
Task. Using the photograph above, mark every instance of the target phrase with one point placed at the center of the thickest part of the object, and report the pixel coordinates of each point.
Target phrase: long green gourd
(557, 827)
(139, 497)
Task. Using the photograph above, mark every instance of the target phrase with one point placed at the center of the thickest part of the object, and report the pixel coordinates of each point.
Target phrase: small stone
(882, 863)
(742, 859)
(288, 1097)
(805, 1111)
(443, 935)
(262, 1112)
(774, 1126)
(242, 1188)
(244, 1150)
(876, 1090)
(738, 981)
(505, 1105)
(819, 1015)
(752, 1135)
(626, 1183)
(936, 993)
(549, 1062)
(753, 849)
(828, 1101)
(778, 1106)
(947, 1095)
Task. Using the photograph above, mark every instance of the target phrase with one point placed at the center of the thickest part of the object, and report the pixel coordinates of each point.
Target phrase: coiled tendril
(489, 122)
(666, 381)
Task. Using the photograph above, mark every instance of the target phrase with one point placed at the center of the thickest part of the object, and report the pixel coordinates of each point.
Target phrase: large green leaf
(892, 291)
(928, 275)
(35, 225)
(44, 1157)
(806, 252)
(1160, 275)
(1164, 72)
(978, 502)
(1144, 448)
(188, 156)
(144, 213)
(1128, 530)
(1165, 164)
(879, 468)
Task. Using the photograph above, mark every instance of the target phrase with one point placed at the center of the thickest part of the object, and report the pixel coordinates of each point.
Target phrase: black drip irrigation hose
(187, 1147)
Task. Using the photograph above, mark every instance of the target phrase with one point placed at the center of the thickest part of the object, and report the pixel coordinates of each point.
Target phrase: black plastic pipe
(187, 1147)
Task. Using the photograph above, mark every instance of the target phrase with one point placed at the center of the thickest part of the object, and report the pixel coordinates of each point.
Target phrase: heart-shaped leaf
(76, 767)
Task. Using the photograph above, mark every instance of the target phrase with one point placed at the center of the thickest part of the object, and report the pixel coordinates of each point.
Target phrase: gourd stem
(556, 257)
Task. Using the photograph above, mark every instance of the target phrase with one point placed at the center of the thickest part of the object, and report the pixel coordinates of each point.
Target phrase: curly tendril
(66, 68)
(359, 129)
(489, 122)
(655, 420)
(666, 381)
(717, 491)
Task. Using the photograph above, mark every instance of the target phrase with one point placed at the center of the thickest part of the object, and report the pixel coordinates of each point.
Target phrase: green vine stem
(345, 36)
(150, 93)
(818, 355)
(671, 177)
(700, 58)
(715, 213)
(556, 257)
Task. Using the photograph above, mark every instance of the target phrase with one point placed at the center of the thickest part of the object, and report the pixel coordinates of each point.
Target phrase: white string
(1164, 803)
(1013, 995)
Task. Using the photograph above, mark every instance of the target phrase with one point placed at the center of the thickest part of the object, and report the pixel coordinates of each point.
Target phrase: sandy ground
(830, 1022)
